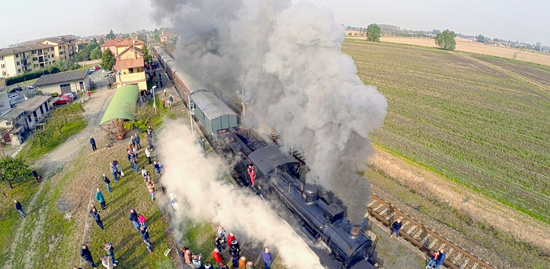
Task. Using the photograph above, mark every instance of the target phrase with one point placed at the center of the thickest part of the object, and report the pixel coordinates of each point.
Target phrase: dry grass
(509, 53)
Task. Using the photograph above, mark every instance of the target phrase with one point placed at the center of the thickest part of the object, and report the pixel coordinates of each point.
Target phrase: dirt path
(520, 226)
(53, 162)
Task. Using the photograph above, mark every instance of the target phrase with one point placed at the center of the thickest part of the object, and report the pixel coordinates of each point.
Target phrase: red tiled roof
(129, 63)
(111, 42)
(129, 42)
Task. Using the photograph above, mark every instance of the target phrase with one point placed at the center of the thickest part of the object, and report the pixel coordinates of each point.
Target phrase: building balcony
(132, 79)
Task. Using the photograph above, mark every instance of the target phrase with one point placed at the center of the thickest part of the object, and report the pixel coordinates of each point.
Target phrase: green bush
(31, 75)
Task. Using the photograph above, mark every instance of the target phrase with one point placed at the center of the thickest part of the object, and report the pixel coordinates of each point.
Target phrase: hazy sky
(524, 21)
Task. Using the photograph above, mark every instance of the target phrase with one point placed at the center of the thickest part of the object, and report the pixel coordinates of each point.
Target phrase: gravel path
(55, 161)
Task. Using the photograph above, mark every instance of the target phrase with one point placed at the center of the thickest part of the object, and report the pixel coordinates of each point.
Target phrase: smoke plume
(285, 61)
(197, 180)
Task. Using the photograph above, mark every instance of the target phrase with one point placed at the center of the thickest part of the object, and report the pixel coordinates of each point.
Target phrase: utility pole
(191, 114)
(154, 99)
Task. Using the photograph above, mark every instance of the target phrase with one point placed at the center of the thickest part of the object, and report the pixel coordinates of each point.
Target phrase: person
(151, 189)
(89, 94)
(431, 263)
(150, 141)
(141, 220)
(134, 165)
(110, 252)
(133, 140)
(230, 238)
(144, 172)
(441, 259)
(99, 197)
(133, 217)
(266, 256)
(207, 265)
(187, 257)
(395, 227)
(218, 242)
(145, 235)
(221, 235)
(92, 142)
(97, 218)
(36, 176)
(171, 99)
(173, 201)
(107, 263)
(251, 173)
(168, 103)
(20, 209)
(235, 251)
(107, 182)
(114, 171)
(197, 261)
(156, 166)
(138, 141)
(87, 255)
(164, 92)
(130, 146)
(130, 156)
(242, 262)
(119, 168)
(150, 132)
(148, 155)
(217, 256)
(250, 265)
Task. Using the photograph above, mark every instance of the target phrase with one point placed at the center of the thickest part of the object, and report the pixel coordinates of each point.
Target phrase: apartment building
(64, 46)
(32, 57)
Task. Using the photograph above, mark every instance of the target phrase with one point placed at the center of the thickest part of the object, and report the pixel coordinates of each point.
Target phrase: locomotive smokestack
(355, 230)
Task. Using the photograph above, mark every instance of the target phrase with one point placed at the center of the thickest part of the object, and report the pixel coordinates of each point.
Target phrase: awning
(122, 105)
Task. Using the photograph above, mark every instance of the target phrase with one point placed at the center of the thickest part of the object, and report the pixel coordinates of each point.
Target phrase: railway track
(413, 231)
(423, 238)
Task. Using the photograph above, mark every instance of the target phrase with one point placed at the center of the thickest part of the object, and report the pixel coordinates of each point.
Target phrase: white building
(24, 117)
(4, 100)
(60, 83)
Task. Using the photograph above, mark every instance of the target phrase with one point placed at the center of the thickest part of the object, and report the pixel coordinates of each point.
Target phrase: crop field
(475, 125)
(521, 55)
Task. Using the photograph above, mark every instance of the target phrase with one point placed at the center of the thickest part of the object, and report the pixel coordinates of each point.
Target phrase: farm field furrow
(471, 123)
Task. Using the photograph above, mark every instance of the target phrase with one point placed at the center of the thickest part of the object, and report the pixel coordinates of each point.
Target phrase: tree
(480, 39)
(13, 170)
(374, 32)
(108, 60)
(92, 45)
(142, 37)
(146, 55)
(95, 54)
(110, 35)
(446, 40)
(538, 46)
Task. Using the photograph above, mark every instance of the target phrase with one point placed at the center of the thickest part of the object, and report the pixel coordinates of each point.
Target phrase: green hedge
(31, 75)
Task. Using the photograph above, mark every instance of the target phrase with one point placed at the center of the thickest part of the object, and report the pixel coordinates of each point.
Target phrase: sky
(527, 21)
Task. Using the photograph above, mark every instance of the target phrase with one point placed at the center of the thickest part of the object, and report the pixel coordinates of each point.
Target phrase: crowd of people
(137, 220)
(222, 242)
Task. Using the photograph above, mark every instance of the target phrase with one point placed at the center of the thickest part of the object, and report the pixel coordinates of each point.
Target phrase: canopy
(122, 105)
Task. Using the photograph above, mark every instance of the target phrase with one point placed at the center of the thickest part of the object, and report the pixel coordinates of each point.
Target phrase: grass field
(472, 124)
(521, 55)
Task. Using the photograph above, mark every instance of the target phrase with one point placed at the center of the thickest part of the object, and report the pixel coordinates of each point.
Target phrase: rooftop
(12, 114)
(61, 77)
(210, 105)
(111, 42)
(60, 39)
(32, 104)
(129, 63)
(129, 42)
(11, 51)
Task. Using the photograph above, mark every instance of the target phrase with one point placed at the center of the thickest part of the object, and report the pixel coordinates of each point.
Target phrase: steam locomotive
(278, 175)
(321, 217)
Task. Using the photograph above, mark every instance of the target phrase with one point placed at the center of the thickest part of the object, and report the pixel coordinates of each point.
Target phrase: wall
(132, 79)
(32, 121)
(75, 86)
(4, 101)
(94, 62)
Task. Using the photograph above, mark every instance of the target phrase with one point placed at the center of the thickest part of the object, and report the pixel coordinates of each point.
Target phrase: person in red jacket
(251, 173)
(230, 238)
(217, 256)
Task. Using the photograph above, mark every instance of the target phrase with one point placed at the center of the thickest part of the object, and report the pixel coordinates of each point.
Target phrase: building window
(30, 119)
(18, 63)
(46, 106)
(41, 110)
(17, 55)
(18, 70)
(8, 123)
(34, 52)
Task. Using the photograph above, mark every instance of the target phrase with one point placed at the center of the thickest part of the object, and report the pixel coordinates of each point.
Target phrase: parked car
(31, 87)
(97, 67)
(15, 89)
(62, 100)
(90, 71)
(71, 95)
(14, 98)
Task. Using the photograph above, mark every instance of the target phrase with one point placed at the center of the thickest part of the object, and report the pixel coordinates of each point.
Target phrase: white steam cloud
(285, 61)
(191, 176)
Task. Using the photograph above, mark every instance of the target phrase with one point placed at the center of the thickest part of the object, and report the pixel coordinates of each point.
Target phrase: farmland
(521, 55)
(477, 121)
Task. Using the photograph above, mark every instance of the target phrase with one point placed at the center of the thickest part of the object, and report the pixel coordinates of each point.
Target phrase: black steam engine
(278, 175)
